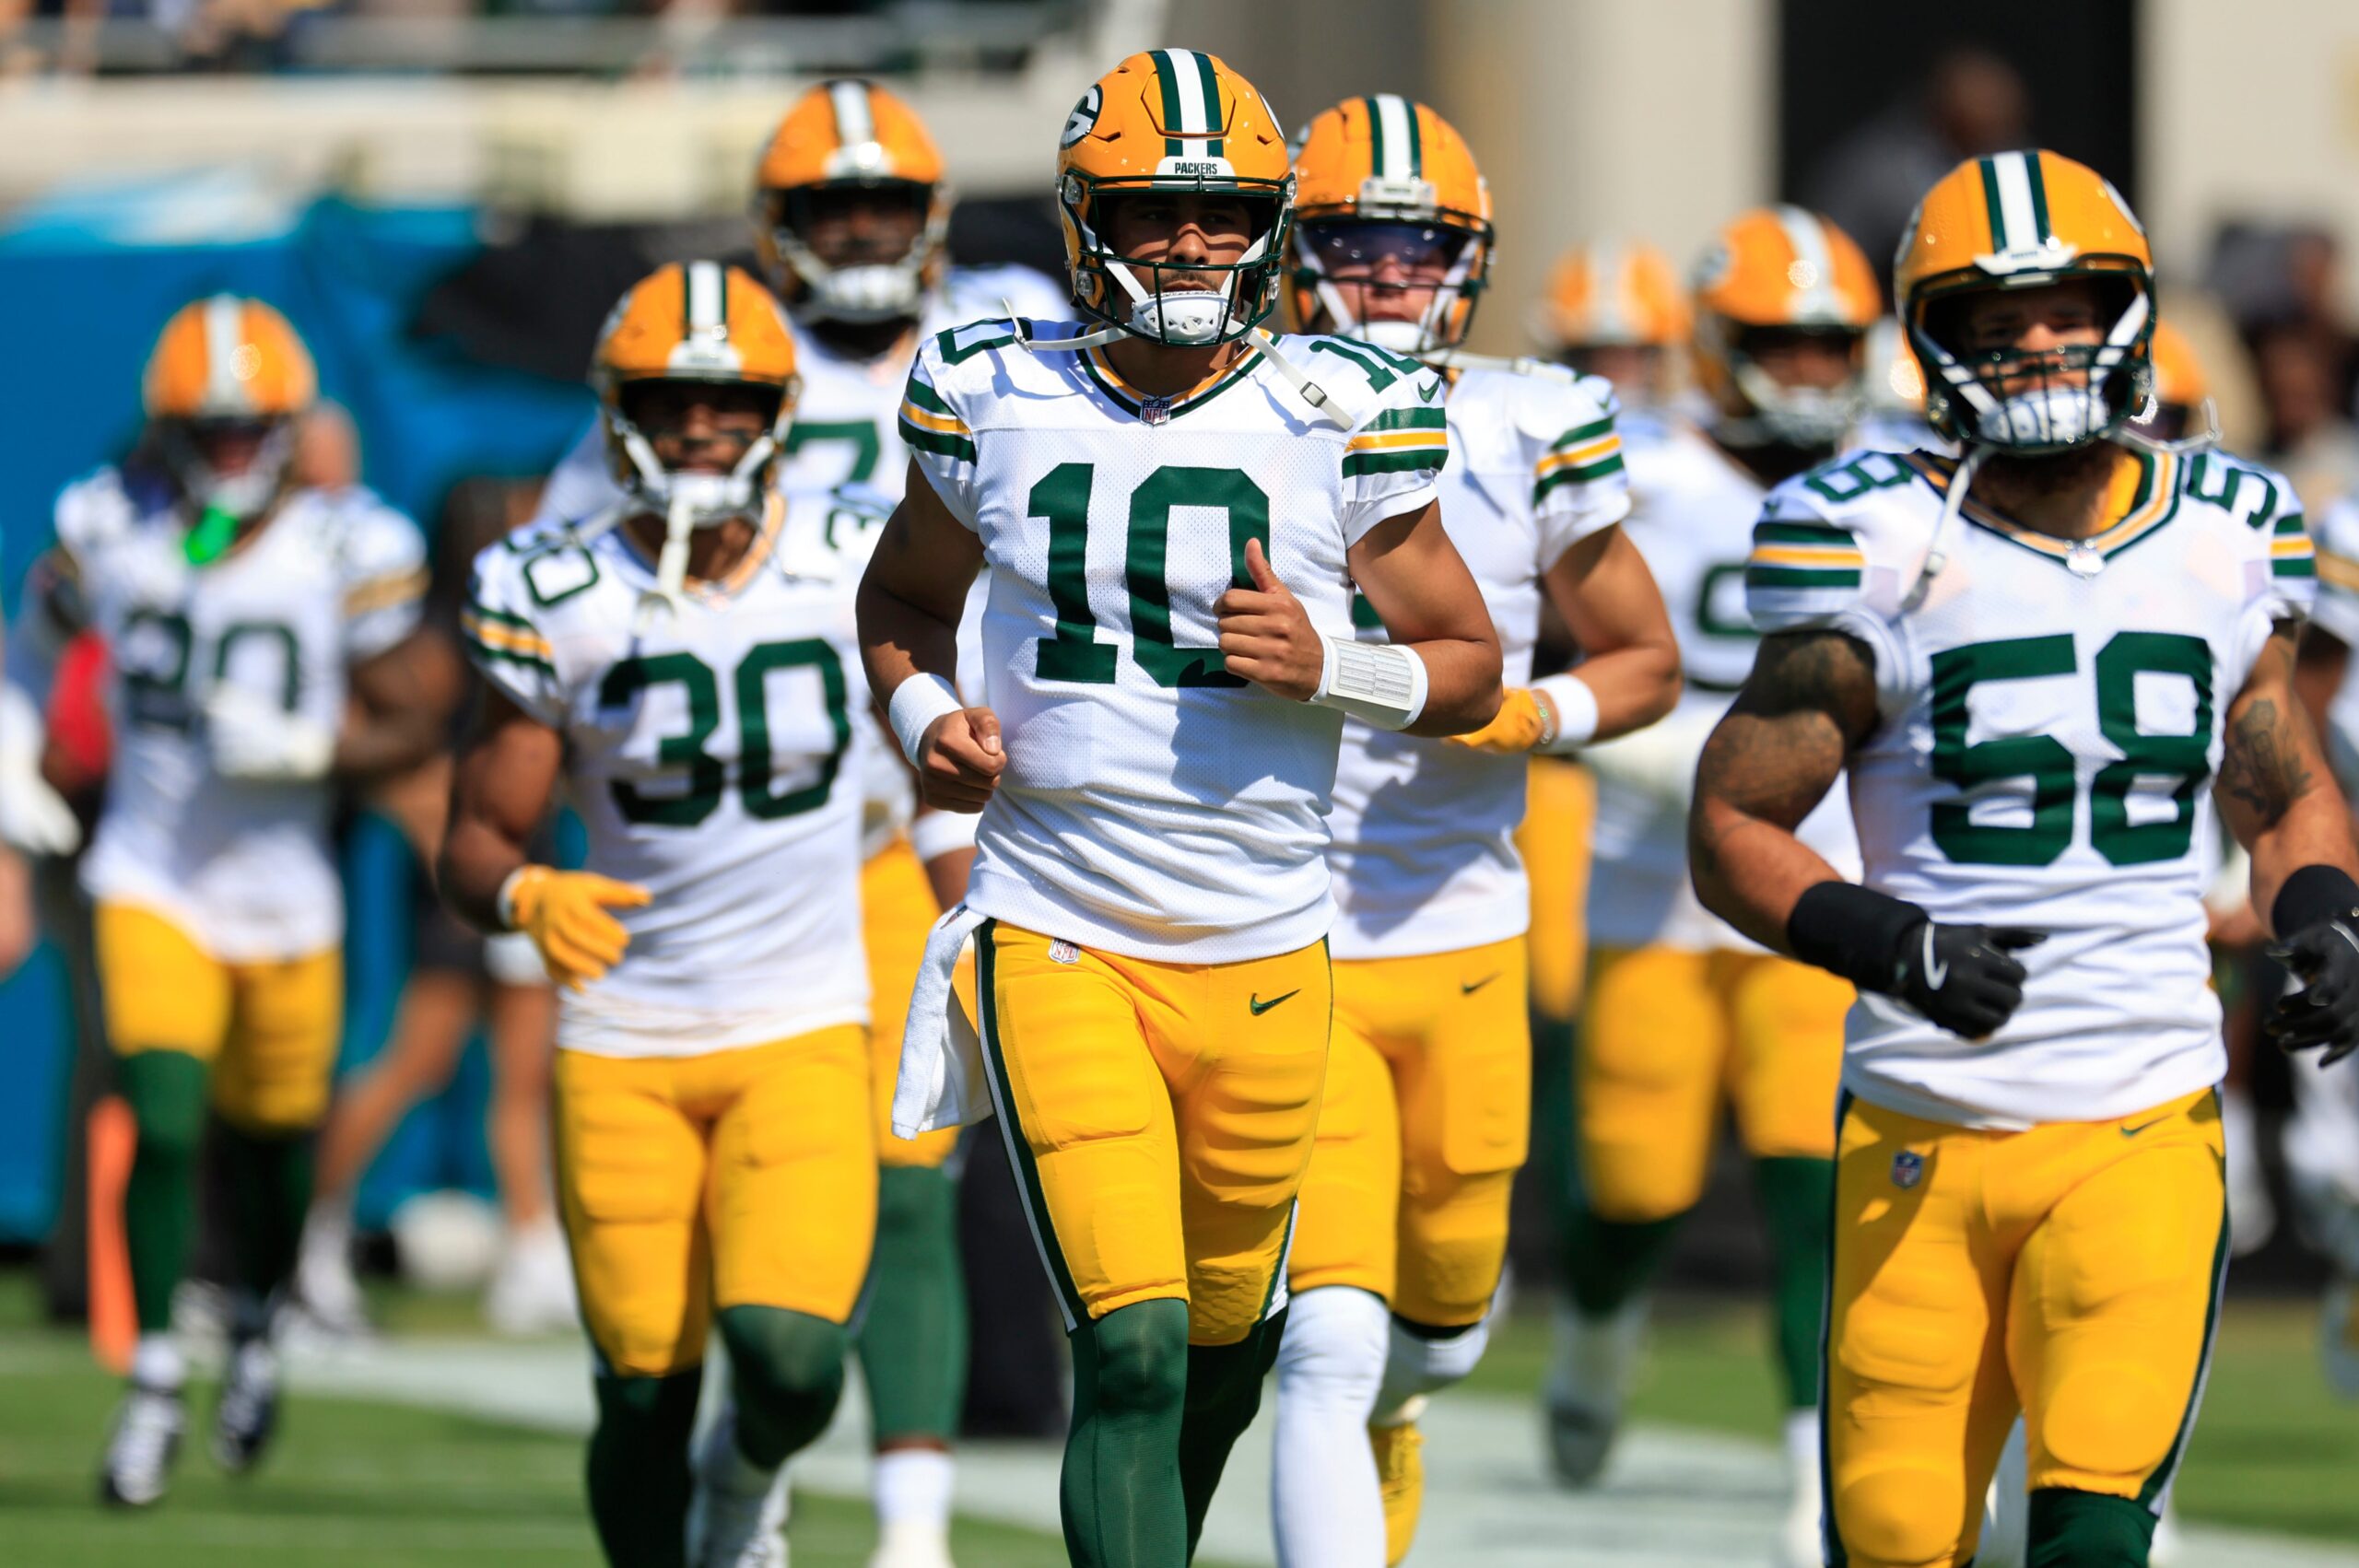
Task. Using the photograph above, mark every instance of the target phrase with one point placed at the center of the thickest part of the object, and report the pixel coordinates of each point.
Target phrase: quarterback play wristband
(1377, 683)
(2311, 894)
(1575, 708)
(505, 901)
(936, 833)
(918, 702)
(1852, 931)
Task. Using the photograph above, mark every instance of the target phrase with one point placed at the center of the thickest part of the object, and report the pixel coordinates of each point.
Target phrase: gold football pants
(1424, 1126)
(740, 1177)
(1158, 1117)
(268, 1030)
(1665, 1034)
(2075, 1267)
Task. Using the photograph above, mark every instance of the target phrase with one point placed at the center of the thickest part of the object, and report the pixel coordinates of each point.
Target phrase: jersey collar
(2145, 494)
(1154, 410)
(766, 543)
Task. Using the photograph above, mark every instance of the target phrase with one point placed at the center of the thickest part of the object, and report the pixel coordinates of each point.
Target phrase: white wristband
(505, 899)
(916, 704)
(936, 833)
(1377, 683)
(1575, 708)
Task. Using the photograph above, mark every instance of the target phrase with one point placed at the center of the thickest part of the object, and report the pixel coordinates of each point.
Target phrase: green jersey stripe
(1409, 419)
(2295, 567)
(940, 445)
(1801, 577)
(500, 617)
(2291, 523)
(486, 653)
(1800, 533)
(1585, 475)
(1581, 433)
(1355, 464)
(925, 397)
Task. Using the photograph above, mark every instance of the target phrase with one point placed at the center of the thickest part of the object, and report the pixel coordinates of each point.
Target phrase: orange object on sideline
(114, 1319)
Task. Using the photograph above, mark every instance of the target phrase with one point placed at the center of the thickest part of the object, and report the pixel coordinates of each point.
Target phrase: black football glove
(2324, 1014)
(1964, 979)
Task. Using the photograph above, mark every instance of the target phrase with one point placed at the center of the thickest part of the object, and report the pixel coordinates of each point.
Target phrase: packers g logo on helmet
(1173, 120)
(841, 137)
(2022, 220)
(219, 363)
(1777, 269)
(696, 323)
(1384, 176)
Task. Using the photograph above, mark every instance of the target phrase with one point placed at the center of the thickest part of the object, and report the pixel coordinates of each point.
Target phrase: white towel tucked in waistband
(940, 1082)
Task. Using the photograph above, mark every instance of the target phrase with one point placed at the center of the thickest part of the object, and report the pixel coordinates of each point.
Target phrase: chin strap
(1056, 344)
(1327, 404)
(670, 568)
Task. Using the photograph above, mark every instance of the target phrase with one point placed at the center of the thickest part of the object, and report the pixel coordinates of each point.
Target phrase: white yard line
(1672, 1499)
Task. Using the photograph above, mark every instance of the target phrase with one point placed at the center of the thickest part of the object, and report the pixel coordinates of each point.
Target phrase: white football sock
(156, 1363)
(1801, 1442)
(1324, 1506)
(1414, 1365)
(913, 1485)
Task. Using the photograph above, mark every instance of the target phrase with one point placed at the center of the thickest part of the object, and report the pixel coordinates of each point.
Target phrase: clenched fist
(960, 759)
(1266, 636)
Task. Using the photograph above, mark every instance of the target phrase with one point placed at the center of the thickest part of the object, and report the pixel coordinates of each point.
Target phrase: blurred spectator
(2272, 277)
(1972, 103)
(2310, 435)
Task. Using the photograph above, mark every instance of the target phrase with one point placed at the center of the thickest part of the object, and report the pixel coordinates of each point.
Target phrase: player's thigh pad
(1647, 1081)
(158, 991)
(791, 1204)
(1560, 807)
(897, 911)
(1916, 1400)
(286, 1020)
(1344, 1228)
(1086, 1118)
(2114, 1299)
(1465, 1088)
(1244, 1046)
(1787, 1055)
(630, 1180)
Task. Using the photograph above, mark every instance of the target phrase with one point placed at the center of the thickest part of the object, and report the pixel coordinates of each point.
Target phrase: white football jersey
(1691, 512)
(844, 431)
(1154, 804)
(2051, 715)
(334, 579)
(1424, 855)
(714, 756)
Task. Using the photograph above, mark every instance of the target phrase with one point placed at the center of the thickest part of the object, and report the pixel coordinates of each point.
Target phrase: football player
(851, 208)
(2029, 661)
(1404, 1211)
(1616, 310)
(1175, 504)
(1683, 1015)
(682, 665)
(264, 646)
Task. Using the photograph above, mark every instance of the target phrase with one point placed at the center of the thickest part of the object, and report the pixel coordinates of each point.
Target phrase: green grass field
(2274, 1450)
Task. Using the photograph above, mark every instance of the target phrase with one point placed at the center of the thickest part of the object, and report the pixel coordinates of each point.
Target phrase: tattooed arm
(2274, 791)
(1810, 698)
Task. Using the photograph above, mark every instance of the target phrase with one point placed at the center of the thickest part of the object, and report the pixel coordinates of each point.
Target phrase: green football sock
(270, 1184)
(1797, 1203)
(2084, 1529)
(786, 1372)
(913, 1333)
(638, 1471)
(1224, 1390)
(1121, 1498)
(166, 1092)
(1608, 1261)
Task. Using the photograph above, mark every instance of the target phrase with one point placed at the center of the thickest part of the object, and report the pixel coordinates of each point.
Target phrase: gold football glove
(1521, 725)
(565, 914)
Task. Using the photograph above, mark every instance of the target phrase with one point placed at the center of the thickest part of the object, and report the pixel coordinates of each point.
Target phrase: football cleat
(1588, 1377)
(141, 1446)
(1401, 1477)
(248, 1414)
(736, 1518)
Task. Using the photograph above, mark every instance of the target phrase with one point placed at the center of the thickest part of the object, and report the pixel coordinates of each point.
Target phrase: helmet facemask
(1449, 259)
(870, 288)
(2039, 400)
(1162, 308)
(1806, 418)
(244, 495)
(700, 497)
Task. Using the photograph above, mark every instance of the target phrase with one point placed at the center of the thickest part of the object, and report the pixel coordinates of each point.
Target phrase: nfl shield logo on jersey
(1908, 1169)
